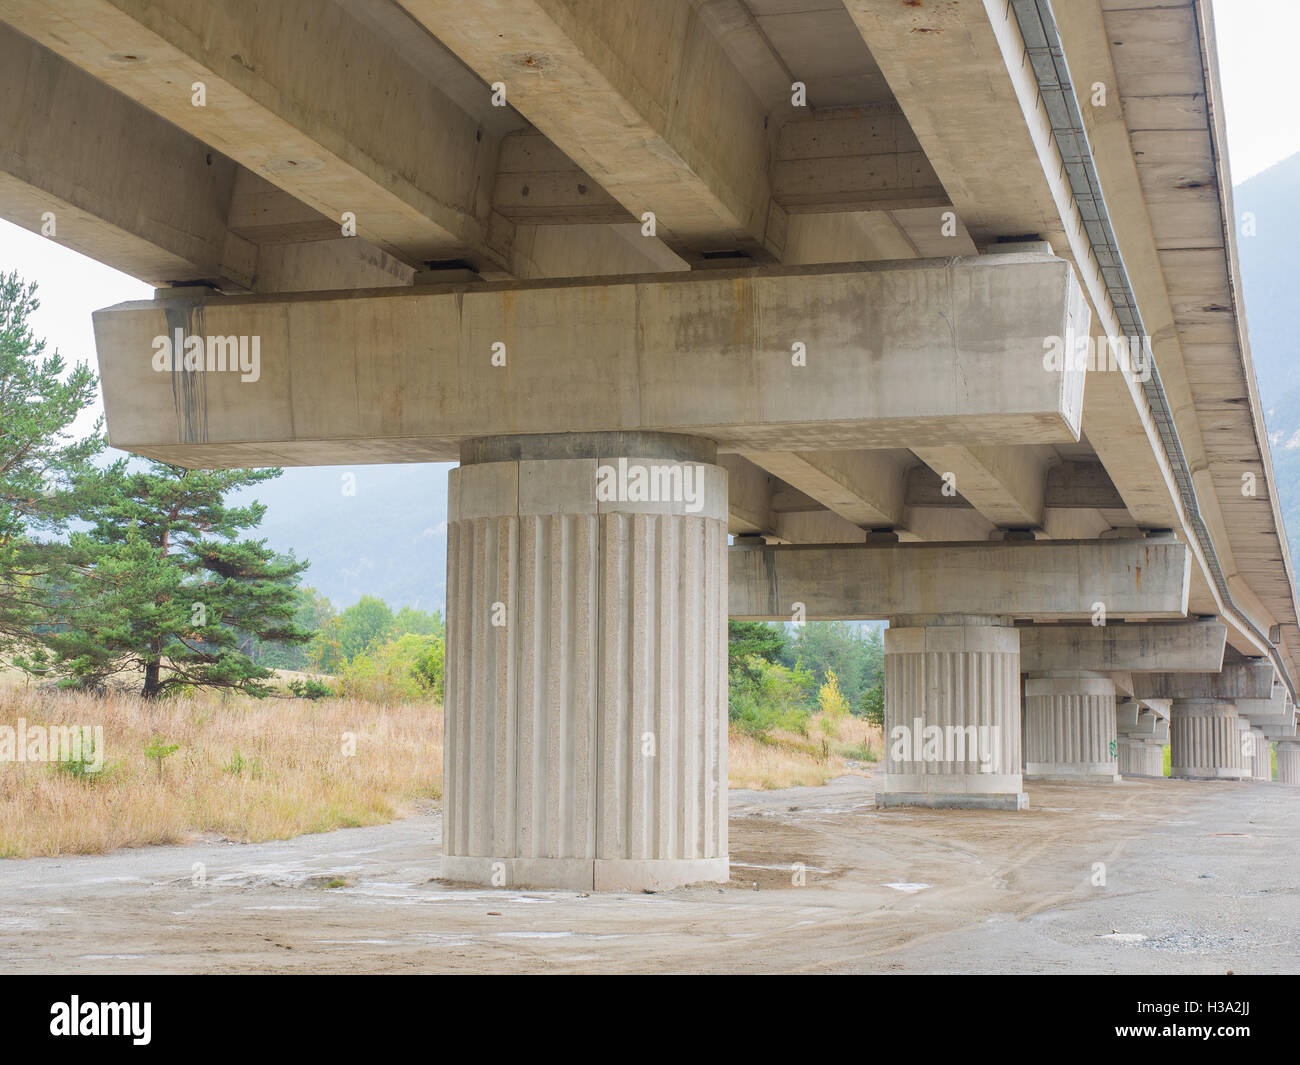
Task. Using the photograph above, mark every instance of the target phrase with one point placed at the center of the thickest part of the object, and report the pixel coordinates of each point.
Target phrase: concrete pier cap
(586, 690)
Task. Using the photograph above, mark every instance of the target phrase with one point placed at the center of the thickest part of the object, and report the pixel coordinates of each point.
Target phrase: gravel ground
(1198, 878)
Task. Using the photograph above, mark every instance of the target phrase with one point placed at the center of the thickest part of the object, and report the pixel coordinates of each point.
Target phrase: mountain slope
(388, 539)
(1266, 240)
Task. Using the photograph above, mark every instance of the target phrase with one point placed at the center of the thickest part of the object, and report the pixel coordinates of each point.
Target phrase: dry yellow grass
(255, 770)
(786, 759)
(290, 775)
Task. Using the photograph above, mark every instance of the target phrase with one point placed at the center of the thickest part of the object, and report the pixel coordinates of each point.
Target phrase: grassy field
(243, 769)
(253, 770)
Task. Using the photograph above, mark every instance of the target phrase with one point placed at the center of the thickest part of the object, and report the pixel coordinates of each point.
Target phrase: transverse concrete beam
(1239, 680)
(1126, 647)
(1039, 579)
(405, 375)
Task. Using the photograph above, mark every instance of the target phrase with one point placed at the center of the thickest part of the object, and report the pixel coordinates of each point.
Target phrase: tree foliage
(168, 586)
(40, 461)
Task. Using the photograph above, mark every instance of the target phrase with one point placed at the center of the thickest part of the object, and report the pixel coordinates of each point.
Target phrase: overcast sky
(1261, 83)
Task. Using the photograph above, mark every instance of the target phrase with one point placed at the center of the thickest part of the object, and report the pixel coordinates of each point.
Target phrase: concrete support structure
(952, 713)
(1288, 761)
(586, 694)
(549, 237)
(1070, 728)
(1142, 736)
(1139, 757)
(1205, 740)
(1124, 647)
(1040, 579)
(1262, 752)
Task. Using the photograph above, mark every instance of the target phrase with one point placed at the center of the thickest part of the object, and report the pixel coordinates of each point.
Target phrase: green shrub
(766, 695)
(310, 689)
(873, 705)
(406, 669)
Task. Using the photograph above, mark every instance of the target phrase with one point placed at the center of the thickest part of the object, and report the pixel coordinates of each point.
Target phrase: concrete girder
(110, 204)
(1078, 501)
(1133, 647)
(357, 144)
(405, 375)
(1041, 579)
(853, 159)
(1005, 484)
(835, 161)
(863, 487)
(750, 498)
(641, 96)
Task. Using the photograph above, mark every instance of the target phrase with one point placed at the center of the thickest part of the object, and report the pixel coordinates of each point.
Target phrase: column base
(1201, 772)
(1072, 772)
(585, 874)
(935, 800)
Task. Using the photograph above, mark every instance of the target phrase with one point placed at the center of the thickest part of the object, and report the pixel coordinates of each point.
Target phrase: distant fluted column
(1070, 728)
(1288, 761)
(952, 713)
(1139, 757)
(1263, 755)
(586, 693)
(1205, 740)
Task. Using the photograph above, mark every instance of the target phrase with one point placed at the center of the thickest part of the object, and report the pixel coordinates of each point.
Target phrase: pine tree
(168, 586)
(40, 400)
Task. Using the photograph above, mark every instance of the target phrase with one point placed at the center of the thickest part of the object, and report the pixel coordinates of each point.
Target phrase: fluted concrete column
(586, 693)
(1205, 740)
(1070, 728)
(1253, 746)
(952, 713)
(1288, 761)
(1140, 757)
(1263, 752)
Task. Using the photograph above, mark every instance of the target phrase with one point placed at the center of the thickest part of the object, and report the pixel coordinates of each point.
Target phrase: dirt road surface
(1198, 878)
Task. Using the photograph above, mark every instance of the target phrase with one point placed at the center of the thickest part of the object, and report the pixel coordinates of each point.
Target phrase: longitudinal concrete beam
(863, 487)
(84, 160)
(383, 142)
(640, 95)
(1040, 579)
(405, 375)
(1238, 680)
(853, 159)
(1130, 647)
(1005, 484)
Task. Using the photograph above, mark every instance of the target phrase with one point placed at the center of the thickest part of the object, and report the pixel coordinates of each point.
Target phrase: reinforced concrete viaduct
(918, 310)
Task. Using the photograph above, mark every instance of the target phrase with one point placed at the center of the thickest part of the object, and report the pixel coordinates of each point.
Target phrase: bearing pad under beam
(1043, 579)
(927, 352)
